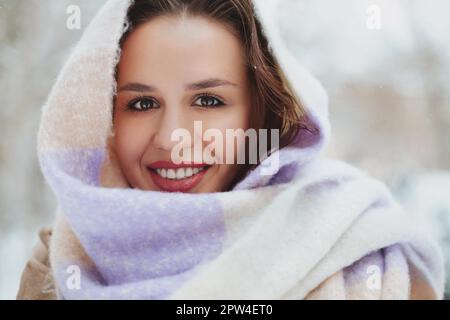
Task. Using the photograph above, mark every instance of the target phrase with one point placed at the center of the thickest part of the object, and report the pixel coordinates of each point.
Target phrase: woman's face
(174, 71)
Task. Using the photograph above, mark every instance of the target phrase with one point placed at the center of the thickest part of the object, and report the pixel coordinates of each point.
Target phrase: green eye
(142, 104)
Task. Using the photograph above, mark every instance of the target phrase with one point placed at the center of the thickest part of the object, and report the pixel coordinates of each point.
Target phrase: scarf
(273, 236)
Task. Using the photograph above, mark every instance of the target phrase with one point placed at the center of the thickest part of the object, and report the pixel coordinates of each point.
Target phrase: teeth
(180, 173)
(171, 174)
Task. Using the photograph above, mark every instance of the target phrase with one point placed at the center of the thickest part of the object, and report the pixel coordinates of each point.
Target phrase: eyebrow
(204, 84)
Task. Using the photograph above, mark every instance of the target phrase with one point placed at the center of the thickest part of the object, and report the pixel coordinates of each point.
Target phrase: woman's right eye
(142, 104)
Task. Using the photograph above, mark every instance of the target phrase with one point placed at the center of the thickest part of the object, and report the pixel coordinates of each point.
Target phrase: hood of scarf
(145, 244)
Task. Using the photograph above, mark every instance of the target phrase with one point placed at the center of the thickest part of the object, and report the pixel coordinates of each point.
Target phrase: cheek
(237, 119)
(130, 143)
(242, 118)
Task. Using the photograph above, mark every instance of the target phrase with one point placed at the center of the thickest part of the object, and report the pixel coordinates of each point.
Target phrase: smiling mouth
(177, 178)
(178, 174)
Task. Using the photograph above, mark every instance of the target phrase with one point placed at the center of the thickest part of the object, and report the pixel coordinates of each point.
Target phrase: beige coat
(36, 282)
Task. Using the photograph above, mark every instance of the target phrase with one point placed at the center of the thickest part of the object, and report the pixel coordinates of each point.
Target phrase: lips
(172, 177)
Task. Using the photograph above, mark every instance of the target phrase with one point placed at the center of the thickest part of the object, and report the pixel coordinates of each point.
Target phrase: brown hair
(276, 105)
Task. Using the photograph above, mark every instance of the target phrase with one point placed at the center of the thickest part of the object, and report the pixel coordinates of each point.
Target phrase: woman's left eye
(208, 101)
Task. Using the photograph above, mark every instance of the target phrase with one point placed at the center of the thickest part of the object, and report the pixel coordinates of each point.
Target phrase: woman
(135, 222)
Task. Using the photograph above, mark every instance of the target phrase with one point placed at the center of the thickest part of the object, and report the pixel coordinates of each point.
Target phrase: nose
(170, 120)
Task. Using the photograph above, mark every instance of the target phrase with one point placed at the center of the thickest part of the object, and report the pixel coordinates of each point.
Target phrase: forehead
(183, 45)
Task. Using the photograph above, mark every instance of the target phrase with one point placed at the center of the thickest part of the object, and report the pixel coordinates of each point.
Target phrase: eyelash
(210, 95)
(132, 102)
(207, 95)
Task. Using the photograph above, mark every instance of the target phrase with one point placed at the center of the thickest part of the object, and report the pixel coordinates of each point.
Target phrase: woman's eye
(142, 104)
(209, 101)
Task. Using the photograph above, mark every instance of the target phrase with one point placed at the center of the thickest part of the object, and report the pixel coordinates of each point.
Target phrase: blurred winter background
(384, 63)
